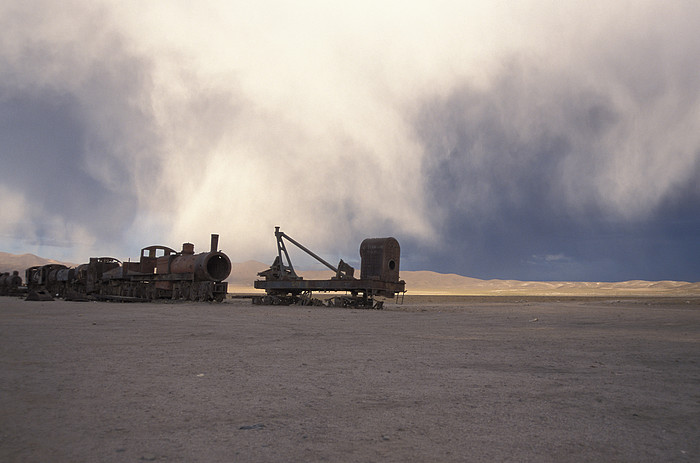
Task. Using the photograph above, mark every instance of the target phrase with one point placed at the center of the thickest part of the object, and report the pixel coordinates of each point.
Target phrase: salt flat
(435, 379)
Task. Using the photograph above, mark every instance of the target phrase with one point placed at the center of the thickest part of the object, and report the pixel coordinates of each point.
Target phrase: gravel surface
(434, 379)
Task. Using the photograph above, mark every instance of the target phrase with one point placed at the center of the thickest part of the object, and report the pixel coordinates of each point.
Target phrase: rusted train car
(10, 283)
(161, 272)
(379, 276)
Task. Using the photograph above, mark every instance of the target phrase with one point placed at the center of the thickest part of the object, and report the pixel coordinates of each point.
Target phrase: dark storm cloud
(44, 157)
(72, 125)
(519, 174)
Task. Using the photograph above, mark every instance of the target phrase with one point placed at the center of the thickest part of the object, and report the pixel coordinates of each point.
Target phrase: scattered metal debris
(39, 295)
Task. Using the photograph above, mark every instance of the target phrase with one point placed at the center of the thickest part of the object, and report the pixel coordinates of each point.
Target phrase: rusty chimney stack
(214, 242)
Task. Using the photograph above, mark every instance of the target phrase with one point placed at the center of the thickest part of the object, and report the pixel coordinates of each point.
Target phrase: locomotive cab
(150, 256)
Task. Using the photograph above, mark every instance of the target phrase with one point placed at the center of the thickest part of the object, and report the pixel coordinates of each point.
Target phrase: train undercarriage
(137, 289)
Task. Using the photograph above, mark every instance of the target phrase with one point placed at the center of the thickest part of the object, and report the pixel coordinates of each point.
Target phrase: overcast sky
(531, 140)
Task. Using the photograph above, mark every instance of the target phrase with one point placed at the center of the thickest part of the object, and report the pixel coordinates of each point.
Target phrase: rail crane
(379, 276)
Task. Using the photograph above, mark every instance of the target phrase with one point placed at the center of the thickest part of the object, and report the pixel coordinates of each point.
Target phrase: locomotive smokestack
(214, 242)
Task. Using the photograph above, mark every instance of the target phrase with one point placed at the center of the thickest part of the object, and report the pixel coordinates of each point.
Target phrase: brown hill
(10, 262)
(242, 276)
(427, 282)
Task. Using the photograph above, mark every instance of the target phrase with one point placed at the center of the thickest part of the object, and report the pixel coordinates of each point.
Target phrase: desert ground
(433, 379)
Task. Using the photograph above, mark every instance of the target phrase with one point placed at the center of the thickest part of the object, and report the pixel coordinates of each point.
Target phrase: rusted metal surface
(44, 278)
(301, 285)
(380, 259)
(161, 272)
(206, 266)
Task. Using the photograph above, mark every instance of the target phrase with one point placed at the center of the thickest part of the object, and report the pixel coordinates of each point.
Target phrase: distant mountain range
(10, 262)
(426, 282)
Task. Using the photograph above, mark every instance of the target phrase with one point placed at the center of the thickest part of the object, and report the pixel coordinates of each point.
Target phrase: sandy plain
(434, 379)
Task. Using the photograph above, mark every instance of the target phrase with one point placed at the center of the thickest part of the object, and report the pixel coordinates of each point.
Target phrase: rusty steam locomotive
(161, 272)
